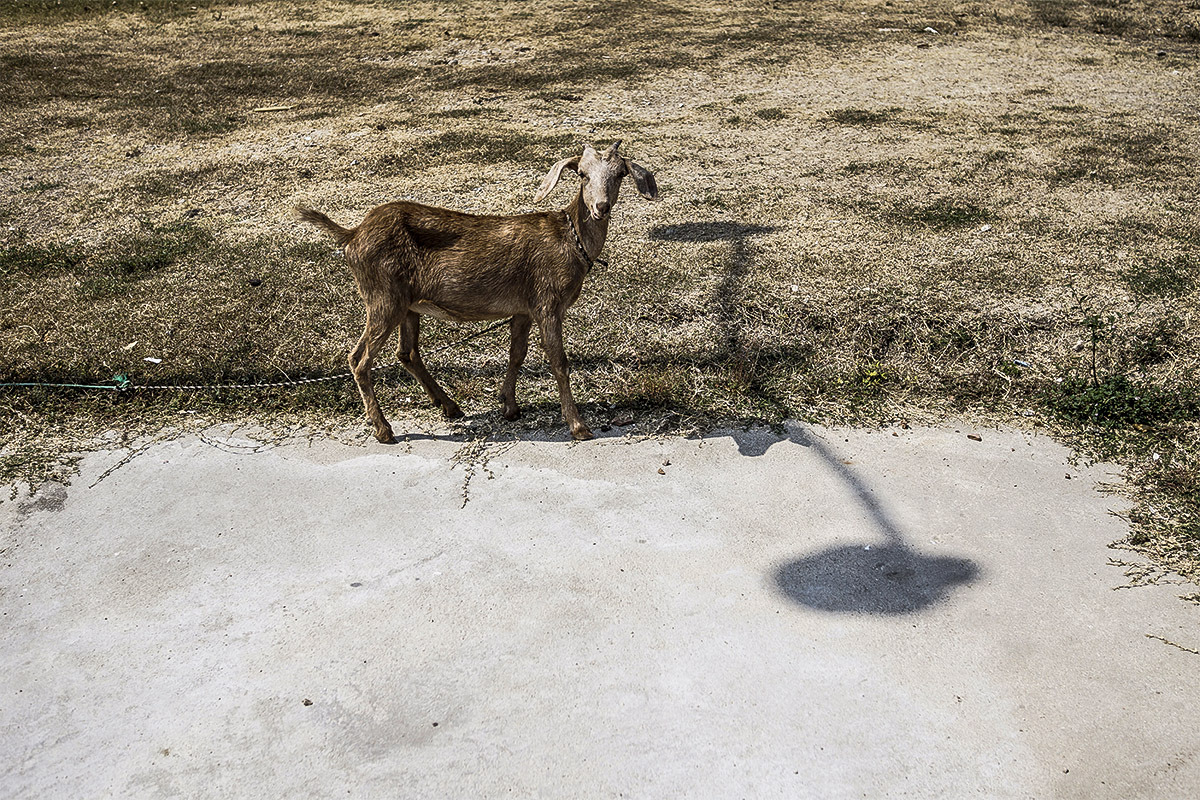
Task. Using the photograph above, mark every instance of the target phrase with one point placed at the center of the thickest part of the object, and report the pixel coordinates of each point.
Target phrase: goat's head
(601, 174)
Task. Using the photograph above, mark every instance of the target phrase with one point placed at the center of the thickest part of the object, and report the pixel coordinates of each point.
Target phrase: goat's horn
(612, 151)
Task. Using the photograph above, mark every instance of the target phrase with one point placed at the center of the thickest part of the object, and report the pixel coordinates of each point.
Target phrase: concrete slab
(827, 614)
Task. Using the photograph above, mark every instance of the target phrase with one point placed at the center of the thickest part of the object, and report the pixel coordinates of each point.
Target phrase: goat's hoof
(451, 410)
(511, 414)
(582, 433)
(385, 435)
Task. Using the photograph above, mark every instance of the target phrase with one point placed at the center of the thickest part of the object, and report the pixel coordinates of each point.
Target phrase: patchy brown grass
(859, 219)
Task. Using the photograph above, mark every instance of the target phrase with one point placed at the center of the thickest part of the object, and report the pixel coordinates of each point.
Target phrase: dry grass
(860, 220)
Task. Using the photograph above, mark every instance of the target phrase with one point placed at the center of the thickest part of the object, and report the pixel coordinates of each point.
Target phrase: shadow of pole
(741, 259)
(887, 577)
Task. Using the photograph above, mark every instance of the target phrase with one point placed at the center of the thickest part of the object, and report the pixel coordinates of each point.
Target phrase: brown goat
(410, 259)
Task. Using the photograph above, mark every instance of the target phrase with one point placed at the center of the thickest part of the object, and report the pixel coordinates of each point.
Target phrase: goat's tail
(343, 235)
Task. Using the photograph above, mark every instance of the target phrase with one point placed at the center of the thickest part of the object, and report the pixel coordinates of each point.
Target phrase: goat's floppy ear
(644, 180)
(551, 178)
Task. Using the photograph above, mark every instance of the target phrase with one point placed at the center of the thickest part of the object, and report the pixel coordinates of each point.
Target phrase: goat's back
(471, 266)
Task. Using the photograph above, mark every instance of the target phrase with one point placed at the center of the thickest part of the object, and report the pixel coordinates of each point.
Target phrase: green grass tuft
(1117, 401)
(1163, 277)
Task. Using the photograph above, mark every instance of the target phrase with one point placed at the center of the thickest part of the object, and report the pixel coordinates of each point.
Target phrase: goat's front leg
(517, 347)
(552, 343)
(410, 356)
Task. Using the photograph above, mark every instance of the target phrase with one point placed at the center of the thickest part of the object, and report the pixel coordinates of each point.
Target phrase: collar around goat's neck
(590, 262)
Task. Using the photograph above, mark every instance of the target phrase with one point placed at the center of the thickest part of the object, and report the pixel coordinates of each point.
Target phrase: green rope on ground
(121, 381)
(66, 385)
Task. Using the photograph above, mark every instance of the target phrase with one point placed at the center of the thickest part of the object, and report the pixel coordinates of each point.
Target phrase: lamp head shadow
(887, 579)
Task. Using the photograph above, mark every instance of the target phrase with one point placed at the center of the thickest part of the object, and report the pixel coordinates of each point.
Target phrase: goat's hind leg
(379, 327)
(410, 356)
(518, 346)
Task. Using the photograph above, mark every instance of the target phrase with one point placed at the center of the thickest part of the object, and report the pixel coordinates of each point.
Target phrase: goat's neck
(592, 233)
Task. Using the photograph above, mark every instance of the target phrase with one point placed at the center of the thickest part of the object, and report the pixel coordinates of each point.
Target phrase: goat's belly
(455, 315)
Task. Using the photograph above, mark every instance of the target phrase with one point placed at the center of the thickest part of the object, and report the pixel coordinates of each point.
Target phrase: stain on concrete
(50, 497)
